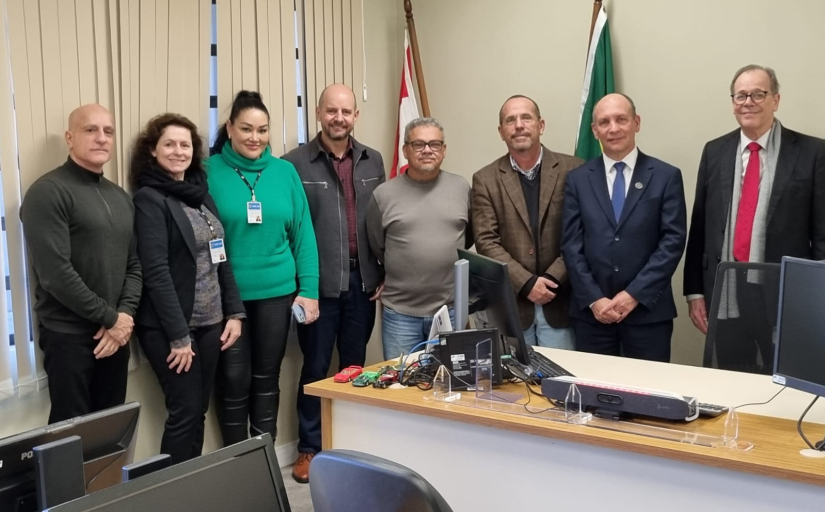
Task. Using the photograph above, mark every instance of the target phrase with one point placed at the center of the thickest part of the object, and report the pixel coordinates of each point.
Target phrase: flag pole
(597, 6)
(419, 72)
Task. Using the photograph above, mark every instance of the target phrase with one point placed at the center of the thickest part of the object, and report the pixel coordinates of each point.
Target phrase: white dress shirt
(746, 154)
(610, 170)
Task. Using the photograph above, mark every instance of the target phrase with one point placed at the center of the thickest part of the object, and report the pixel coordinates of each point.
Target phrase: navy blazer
(639, 254)
(166, 247)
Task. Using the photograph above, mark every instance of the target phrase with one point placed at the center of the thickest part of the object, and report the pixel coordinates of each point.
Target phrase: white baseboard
(287, 453)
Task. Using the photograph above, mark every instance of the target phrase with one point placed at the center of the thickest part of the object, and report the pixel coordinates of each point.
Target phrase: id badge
(253, 212)
(217, 250)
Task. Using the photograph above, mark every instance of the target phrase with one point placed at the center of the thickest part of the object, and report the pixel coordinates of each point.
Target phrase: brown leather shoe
(300, 470)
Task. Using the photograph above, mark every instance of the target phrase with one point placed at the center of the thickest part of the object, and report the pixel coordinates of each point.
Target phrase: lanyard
(251, 187)
(208, 223)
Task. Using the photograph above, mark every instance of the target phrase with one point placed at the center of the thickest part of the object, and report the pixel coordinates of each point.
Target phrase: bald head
(90, 136)
(615, 98)
(339, 91)
(80, 116)
(337, 112)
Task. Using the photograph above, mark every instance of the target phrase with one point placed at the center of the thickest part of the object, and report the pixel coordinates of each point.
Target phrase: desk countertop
(771, 428)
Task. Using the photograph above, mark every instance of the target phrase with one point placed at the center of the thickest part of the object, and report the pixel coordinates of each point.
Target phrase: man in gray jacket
(339, 175)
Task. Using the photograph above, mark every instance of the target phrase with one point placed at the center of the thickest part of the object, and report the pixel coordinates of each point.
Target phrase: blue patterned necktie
(618, 190)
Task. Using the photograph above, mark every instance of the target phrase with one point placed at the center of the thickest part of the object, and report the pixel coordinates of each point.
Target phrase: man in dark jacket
(759, 196)
(339, 175)
(79, 228)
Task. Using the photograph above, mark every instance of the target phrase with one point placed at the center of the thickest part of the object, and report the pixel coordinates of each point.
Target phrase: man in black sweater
(79, 229)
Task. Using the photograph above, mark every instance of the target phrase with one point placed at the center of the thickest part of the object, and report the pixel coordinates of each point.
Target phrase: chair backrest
(742, 317)
(349, 481)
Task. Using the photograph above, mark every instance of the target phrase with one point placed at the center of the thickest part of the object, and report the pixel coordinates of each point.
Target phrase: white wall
(383, 21)
(675, 59)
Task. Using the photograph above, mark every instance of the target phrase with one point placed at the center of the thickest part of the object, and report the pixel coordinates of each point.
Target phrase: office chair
(349, 481)
(742, 317)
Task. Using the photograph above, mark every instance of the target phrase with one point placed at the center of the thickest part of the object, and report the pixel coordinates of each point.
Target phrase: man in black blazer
(790, 221)
(624, 231)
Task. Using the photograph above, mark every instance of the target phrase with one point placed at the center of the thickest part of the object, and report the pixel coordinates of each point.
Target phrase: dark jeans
(347, 320)
(247, 388)
(187, 393)
(78, 383)
(648, 341)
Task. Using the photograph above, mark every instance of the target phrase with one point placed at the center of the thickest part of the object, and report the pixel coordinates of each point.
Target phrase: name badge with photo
(217, 250)
(253, 212)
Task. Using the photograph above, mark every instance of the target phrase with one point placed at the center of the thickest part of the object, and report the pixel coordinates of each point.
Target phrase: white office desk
(491, 461)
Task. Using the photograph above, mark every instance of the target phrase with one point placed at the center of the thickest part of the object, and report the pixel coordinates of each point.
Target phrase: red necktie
(747, 207)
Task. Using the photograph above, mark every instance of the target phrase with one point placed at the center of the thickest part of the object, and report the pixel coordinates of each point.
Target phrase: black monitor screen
(243, 477)
(800, 345)
(494, 301)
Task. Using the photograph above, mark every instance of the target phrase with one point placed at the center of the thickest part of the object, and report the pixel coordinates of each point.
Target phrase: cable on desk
(762, 403)
(820, 446)
(531, 390)
(404, 363)
(529, 395)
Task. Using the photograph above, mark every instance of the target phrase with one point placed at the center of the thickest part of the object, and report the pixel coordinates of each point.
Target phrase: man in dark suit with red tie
(624, 230)
(760, 195)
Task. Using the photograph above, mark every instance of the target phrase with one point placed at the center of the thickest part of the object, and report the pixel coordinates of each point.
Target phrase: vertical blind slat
(86, 51)
(290, 80)
(277, 80)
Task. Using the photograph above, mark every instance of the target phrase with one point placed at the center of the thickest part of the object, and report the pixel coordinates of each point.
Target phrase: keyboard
(544, 368)
(711, 410)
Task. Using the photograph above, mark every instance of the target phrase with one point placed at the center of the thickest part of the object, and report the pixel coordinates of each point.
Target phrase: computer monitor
(800, 342)
(493, 302)
(243, 477)
(108, 444)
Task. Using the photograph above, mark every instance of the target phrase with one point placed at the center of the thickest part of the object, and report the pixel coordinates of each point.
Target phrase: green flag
(598, 82)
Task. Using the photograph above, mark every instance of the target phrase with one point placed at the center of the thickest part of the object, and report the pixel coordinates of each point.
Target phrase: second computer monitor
(800, 341)
(492, 300)
(108, 439)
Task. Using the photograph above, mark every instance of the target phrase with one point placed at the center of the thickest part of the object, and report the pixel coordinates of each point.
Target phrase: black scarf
(192, 190)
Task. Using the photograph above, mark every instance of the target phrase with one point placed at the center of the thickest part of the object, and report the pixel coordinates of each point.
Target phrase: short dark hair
(148, 139)
(756, 67)
(501, 110)
(244, 100)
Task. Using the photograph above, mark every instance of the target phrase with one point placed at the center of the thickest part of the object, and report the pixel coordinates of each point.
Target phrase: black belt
(353, 263)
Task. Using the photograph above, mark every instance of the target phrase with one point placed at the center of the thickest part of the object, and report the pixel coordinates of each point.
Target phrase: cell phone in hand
(299, 314)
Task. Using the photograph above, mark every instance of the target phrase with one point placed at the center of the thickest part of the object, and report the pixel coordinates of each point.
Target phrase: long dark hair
(243, 100)
(148, 139)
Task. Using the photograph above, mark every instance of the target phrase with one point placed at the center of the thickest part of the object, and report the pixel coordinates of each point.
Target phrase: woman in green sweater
(271, 244)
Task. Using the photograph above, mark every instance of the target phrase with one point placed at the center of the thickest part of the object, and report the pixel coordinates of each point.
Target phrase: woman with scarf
(191, 309)
(271, 243)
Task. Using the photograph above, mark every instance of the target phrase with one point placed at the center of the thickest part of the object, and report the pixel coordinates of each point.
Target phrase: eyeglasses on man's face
(757, 96)
(419, 145)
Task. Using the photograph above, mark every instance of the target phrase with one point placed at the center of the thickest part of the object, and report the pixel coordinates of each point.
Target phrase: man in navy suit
(624, 230)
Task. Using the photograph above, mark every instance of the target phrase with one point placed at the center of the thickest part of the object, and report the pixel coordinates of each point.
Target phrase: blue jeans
(400, 333)
(545, 336)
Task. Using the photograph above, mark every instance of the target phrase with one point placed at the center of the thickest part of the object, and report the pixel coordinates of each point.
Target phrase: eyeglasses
(419, 145)
(757, 96)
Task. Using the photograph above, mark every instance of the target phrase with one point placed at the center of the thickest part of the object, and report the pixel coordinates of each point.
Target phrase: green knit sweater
(266, 258)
